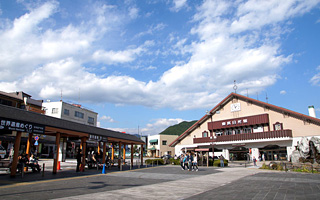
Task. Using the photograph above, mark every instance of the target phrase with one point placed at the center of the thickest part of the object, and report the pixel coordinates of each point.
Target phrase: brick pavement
(166, 182)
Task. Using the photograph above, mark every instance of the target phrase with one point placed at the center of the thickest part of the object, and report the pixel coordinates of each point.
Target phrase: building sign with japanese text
(16, 125)
(238, 122)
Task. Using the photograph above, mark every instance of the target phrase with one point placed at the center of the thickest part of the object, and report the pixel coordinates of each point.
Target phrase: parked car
(3, 152)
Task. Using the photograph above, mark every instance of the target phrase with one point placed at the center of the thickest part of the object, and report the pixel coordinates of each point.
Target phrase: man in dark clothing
(79, 156)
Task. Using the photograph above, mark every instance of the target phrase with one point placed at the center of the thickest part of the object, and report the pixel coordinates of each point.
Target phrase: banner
(16, 125)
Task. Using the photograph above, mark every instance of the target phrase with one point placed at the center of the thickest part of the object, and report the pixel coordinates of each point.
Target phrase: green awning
(154, 141)
(152, 148)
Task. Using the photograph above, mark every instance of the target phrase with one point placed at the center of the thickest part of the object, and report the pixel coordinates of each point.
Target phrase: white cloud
(107, 118)
(230, 45)
(283, 92)
(133, 12)
(315, 80)
(178, 5)
(152, 29)
(156, 127)
(159, 125)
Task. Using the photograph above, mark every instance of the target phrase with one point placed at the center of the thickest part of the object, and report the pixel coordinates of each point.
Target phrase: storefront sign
(15, 125)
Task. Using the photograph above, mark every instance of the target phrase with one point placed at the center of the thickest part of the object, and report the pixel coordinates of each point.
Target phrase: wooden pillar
(56, 157)
(16, 154)
(29, 144)
(132, 152)
(141, 154)
(104, 152)
(84, 146)
(99, 148)
(119, 157)
(28, 148)
(124, 153)
(201, 154)
(112, 153)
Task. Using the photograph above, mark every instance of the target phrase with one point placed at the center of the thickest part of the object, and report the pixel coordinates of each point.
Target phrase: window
(55, 110)
(90, 120)
(229, 132)
(219, 133)
(78, 114)
(204, 134)
(247, 130)
(277, 126)
(164, 142)
(5, 102)
(66, 111)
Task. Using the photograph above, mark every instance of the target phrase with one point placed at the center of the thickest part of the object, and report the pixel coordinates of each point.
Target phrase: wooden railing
(245, 136)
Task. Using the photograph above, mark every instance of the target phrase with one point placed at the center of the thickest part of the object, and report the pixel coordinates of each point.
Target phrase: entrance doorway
(239, 153)
(273, 152)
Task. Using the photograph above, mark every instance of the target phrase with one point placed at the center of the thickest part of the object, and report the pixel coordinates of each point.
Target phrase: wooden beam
(16, 154)
(141, 154)
(65, 131)
(56, 158)
(83, 142)
(132, 152)
(119, 157)
(104, 152)
(111, 139)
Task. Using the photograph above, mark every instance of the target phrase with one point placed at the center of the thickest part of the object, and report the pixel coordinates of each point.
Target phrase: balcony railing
(245, 136)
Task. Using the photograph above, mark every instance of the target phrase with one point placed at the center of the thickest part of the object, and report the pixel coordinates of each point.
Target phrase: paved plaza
(163, 182)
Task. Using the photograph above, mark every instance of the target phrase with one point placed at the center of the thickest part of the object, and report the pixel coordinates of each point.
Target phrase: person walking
(195, 162)
(186, 161)
(181, 162)
(221, 161)
(190, 161)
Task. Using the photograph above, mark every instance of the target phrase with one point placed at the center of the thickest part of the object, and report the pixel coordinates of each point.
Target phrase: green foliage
(174, 161)
(264, 166)
(216, 163)
(158, 161)
(178, 129)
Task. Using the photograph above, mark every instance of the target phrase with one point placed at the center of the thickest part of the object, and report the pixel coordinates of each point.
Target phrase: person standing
(78, 157)
(181, 162)
(221, 161)
(195, 162)
(254, 161)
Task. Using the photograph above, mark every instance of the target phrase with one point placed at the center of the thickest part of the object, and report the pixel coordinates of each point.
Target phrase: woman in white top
(195, 162)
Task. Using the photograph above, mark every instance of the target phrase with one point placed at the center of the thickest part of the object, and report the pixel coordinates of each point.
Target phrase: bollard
(245, 164)
(104, 169)
(152, 163)
(157, 163)
(139, 166)
(43, 169)
(59, 167)
(120, 167)
(130, 166)
(312, 167)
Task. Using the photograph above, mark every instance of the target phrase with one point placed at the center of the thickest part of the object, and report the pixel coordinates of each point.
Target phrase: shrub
(264, 166)
(159, 160)
(216, 163)
(174, 161)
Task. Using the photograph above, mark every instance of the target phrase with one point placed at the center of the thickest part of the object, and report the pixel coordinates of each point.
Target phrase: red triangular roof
(254, 101)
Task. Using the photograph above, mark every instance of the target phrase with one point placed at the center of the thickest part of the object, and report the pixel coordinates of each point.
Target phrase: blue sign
(36, 143)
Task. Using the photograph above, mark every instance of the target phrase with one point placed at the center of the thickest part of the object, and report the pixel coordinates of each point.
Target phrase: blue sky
(154, 63)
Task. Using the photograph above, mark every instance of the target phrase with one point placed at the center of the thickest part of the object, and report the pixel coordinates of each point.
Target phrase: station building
(240, 128)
